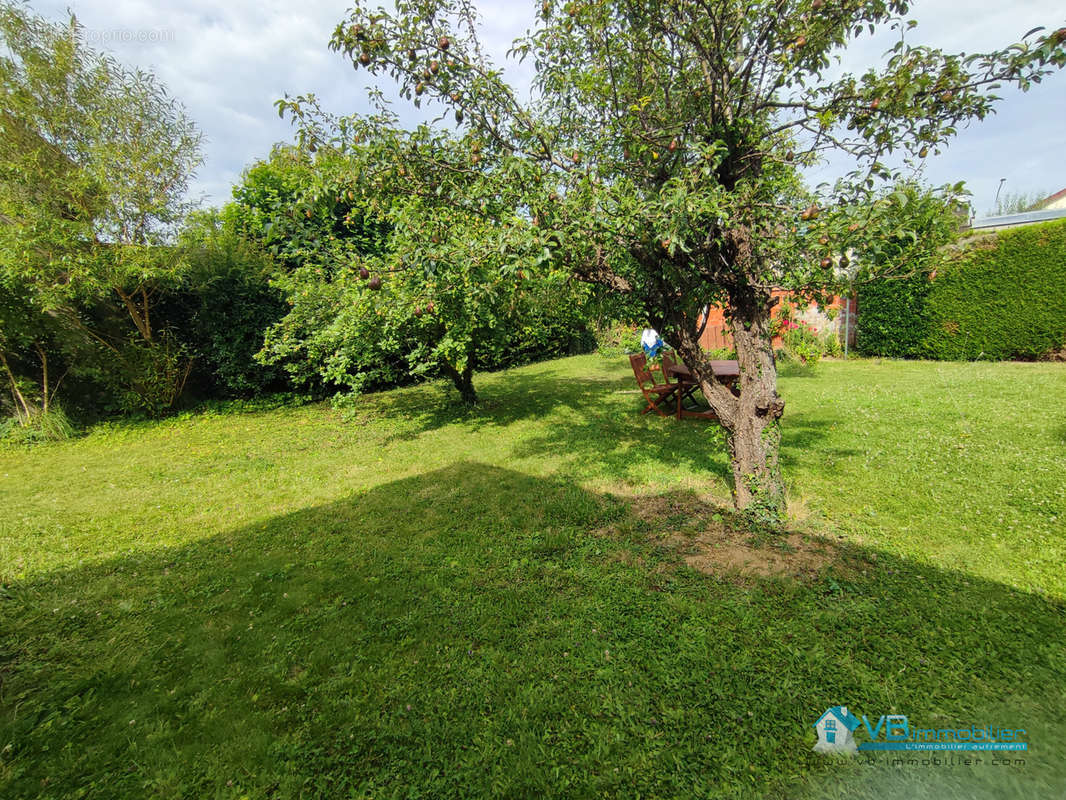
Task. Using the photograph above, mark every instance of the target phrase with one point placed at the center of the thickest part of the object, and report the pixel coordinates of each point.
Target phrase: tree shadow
(478, 631)
(605, 434)
(795, 369)
(617, 442)
(533, 392)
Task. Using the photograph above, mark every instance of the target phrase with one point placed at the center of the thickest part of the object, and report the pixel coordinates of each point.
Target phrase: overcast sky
(228, 62)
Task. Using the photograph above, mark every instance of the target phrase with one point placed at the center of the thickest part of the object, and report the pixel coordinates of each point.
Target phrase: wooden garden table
(724, 371)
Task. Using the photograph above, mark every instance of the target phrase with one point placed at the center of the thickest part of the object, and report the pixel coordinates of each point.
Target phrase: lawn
(408, 599)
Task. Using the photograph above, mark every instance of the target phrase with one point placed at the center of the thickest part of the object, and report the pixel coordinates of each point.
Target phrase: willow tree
(95, 161)
(661, 145)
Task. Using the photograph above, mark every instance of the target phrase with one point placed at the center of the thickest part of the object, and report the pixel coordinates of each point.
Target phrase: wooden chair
(688, 390)
(654, 393)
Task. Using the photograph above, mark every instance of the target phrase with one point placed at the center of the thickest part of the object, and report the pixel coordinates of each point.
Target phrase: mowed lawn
(409, 599)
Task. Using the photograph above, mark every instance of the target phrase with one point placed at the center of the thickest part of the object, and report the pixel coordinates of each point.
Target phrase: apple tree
(95, 161)
(431, 291)
(661, 149)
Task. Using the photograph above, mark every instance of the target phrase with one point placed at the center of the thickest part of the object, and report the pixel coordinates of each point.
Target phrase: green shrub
(722, 353)
(801, 342)
(1002, 298)
(149, 378)
(617, 338)
(551, 320)
(51, 426)
(226, 308)
(892, 317)
(334, 339)
(999, 297)
(222, 321)
(830, 342)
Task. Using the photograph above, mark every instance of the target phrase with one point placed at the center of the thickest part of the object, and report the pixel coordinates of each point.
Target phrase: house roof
(1024, 218)
(1059, 195)
(847, 719)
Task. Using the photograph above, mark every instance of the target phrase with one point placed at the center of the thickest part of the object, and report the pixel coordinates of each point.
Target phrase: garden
(538, 597)
(342, 488)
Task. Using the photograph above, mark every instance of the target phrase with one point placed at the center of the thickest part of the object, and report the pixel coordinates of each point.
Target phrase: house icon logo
(834, 729)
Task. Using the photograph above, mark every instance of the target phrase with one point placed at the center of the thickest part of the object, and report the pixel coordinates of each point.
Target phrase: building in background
(1054, 202)
(1051, 207)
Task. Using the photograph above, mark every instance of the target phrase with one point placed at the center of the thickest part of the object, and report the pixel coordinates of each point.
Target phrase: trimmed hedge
(1003, 297)
(892, 319)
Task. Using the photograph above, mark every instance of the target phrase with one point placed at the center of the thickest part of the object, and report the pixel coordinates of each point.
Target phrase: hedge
(1001, 297)
(892, 318)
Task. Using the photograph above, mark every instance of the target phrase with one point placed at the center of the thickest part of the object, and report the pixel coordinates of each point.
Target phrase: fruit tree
(659, 153)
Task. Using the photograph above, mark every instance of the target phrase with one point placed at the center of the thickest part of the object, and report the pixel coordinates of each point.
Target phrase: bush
(551, 321)
(149, 378)
(44, 426)
(222, 321)
(333, 339)
(892, 317)
(1000, 297)
(615, 339)
(831, 345)
(801, 342)
(226, 308)
(722, 354)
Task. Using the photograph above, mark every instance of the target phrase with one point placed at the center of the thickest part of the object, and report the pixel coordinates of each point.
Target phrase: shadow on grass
(505, 398)
(800, 432)
(796, 369)
(1061, 432)
(598, 423)
(478, 632)
(604, 435)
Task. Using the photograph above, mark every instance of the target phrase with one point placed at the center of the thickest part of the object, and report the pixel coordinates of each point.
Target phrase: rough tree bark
(751, 412)
(755, 437)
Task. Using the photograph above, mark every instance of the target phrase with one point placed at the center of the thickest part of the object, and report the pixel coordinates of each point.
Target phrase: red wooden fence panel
(716, 335)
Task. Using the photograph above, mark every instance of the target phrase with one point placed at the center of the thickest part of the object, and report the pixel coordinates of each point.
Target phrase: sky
(228, 63)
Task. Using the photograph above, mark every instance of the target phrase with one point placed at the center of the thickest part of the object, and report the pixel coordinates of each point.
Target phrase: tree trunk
(755, 437)
(138, 313)
(752, 411)
(45, 396)
(464, 381)
(20, 400)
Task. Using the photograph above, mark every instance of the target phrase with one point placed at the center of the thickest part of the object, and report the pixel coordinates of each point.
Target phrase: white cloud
(229, 62)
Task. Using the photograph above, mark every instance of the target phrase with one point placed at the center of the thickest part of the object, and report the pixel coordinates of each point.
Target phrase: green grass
(408, 599)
